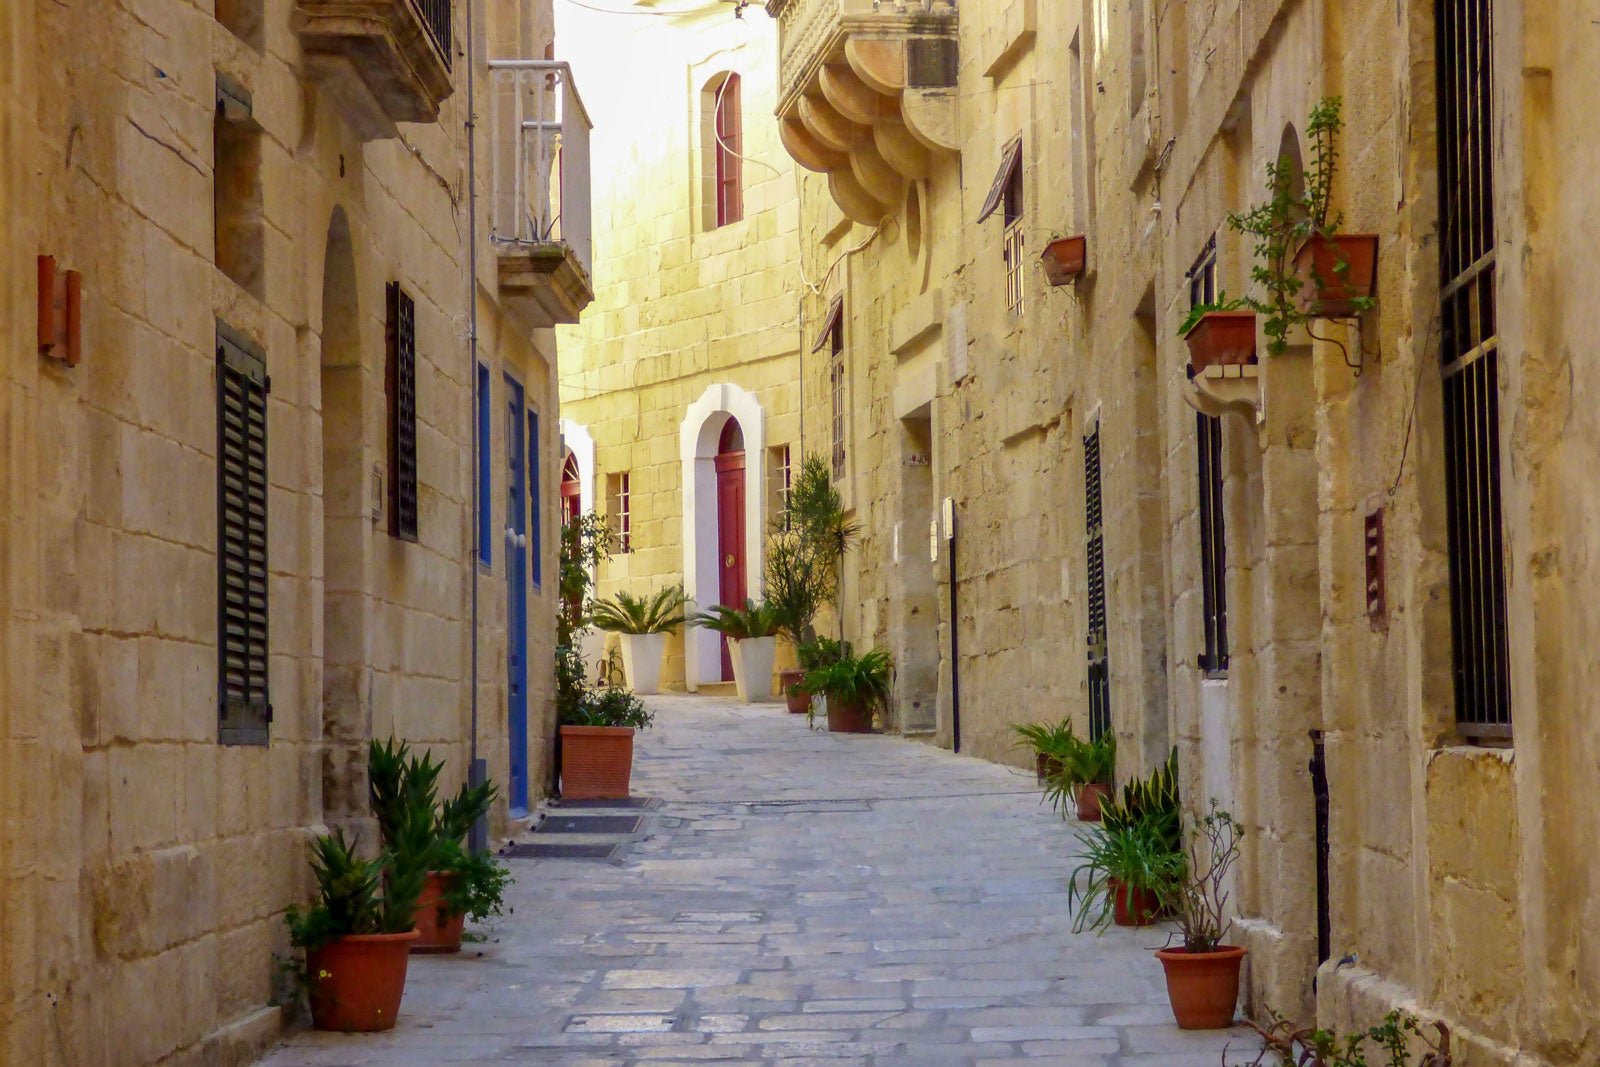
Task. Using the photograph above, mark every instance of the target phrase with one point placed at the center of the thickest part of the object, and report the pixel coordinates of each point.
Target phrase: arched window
(725, 147)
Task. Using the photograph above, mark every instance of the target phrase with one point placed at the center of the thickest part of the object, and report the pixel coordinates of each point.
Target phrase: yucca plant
(355, 896)
(1155, 797)
(739, 624)
(660, 613)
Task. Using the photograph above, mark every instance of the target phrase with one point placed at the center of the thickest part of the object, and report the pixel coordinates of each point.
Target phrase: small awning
(1010, 160)
(829, 322)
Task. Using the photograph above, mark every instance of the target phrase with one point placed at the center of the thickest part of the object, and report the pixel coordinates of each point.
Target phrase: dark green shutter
(400, 383)
(243, 710)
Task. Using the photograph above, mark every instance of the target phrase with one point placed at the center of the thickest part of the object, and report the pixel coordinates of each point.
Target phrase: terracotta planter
(798, 702)
(641, 660)
(357, 981)
(848, 718)
(1326, 290)
(1222, 339)
(1089, 798)
(438, 928)
(752, 667)
(596, 762)
(1064, 259)
(1133, 907)
(1045, 766)
(1203, 987)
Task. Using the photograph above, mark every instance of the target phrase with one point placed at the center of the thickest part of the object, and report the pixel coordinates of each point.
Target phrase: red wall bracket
(60, 312)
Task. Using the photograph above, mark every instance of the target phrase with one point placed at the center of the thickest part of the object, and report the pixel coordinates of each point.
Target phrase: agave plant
(739, 624)
(625, 613)
(356, 896)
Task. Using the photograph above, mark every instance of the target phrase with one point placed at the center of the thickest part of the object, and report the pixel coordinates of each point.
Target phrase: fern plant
(755, 619)
(660, 613)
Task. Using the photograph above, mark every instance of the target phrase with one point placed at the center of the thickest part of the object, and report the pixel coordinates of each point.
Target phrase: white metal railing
(539, 157)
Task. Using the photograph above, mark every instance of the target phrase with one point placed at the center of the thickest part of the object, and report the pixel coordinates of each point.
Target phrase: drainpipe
(949, 519)
(1320, 792)
(477, 769)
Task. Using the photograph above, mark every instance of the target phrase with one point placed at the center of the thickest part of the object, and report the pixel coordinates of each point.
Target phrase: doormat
(646, 803)
(543, 851)
(590, 824)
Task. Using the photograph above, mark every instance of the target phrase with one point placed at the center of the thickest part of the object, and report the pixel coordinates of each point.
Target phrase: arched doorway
(732, 585)
(571, 490)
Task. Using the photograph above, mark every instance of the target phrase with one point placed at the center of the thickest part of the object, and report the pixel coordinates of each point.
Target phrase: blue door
(517, 595)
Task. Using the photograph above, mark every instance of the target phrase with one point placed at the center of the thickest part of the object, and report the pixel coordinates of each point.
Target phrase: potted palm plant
(811, 655)
(1203, 974)
(752, 639)
(1083, 775)
(461, 883)
(855, 687)
(1048, 742)
(643, 624)
(597, 743)
(357, 935)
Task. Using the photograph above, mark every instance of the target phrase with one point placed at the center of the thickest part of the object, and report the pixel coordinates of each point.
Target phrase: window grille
(400, 384)
(1470, 363)
(837, 388)
(244, 711)
(785, 480)
(1094, 532)
(436, 18)
(729, 129)
(1213, 528)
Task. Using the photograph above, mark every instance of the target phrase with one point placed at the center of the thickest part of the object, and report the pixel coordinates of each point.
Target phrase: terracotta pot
(1064, 259)
(1203, 987)
(798, 703)
(357, 981)
(438, 928)
(1222, 339)
(848, 718)
(1133, 907)
(1089, 797)
(1326, 290)
(596, 762)
(1045, 766)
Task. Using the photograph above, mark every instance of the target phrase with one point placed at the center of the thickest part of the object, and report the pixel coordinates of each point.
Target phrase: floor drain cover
(561, 852)
(590, 824)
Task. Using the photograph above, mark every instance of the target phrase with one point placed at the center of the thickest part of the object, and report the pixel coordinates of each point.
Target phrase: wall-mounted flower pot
(357, 981)
(641, 660)
(1064, 259)
(1203, 987)
(849, 718)
(795, 696)
(438, 928)
(1222, 339)
(752, 667)
(596, 762)
(1088, 800)
(1335, 272)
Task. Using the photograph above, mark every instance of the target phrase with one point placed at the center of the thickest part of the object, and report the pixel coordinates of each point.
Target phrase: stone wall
(139, 854)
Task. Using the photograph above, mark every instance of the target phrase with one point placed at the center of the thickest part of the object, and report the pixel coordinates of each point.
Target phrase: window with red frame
(729, 129)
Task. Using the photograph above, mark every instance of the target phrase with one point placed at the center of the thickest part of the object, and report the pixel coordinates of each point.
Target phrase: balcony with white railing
(380, 61)
(539, 217)
(867, 93)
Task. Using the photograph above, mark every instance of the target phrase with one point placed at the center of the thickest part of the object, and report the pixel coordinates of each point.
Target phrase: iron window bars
(1213, 528)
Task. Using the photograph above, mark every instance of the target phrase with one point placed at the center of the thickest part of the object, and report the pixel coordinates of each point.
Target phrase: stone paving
(805, 900)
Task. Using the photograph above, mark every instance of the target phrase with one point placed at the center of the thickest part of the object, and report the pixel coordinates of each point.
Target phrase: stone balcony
(868, 94)
(539, 217)
(380, 61)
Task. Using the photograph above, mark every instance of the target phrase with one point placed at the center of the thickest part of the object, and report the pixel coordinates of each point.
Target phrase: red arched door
(571, 490)
(730, 526)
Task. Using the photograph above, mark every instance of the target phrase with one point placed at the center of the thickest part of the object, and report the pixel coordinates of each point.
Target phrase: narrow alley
(798, 897)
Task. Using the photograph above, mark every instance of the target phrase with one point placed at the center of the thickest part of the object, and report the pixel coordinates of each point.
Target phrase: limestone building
(245, 263)
(1347, 583)
(680, 389)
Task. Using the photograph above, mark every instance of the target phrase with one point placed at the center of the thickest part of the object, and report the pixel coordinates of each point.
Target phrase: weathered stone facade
(694, 322)
(1458, 884)
(199, 165)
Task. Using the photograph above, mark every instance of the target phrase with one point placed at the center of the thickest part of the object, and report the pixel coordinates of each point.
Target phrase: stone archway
(698, 437)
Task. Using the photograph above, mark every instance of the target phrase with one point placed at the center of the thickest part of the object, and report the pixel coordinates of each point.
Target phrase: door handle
(522, 540)
(511, 536)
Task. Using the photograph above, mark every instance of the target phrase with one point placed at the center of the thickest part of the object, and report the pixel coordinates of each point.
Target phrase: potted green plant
(752, 641)
(597, 743)
(1303, 1046)
(1203, 974)
(1219, 334)
(855, 687)
(1063, 258)
(1123, 868)
(461, 883)
(643, 624)
(1047, 741)
(812, 654)
(1083, 775)
(1153, 800)
(585, 543)
(358, 933)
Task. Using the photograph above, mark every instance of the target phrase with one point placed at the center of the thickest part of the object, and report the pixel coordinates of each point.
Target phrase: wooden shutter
(730, 149)
(244, 710)
(400, 383)
(1099, 674)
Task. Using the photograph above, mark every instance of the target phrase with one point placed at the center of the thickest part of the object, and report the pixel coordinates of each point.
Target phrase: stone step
(718, 689)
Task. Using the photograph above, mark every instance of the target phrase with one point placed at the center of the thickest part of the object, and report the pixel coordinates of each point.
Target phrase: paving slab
(796, 898)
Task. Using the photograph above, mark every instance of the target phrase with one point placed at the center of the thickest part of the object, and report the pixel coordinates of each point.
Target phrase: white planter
(641, 660)
(752, 667)
(592, 646)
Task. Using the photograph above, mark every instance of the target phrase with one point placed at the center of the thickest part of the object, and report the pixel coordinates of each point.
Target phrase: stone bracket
(1227, 390)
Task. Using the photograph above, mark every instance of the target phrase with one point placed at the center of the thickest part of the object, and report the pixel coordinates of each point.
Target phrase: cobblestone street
(798, 898)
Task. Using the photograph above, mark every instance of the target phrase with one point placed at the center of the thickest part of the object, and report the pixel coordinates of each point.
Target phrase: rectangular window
(238, 226)
(619, 506)
(1094, 541)
(836, 382)
(400, 385)
(244, 711)
(1012, 250)
(1213, 530)
(485, 467)
(1469, 354)
(779, 479)
(728, 127)
(536, 501)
